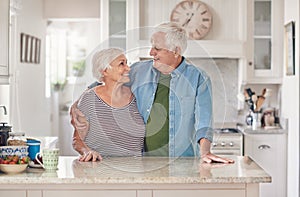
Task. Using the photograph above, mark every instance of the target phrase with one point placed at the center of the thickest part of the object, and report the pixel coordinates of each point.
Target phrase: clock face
(194, 16)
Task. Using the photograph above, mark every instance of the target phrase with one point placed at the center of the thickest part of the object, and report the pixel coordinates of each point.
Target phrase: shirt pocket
(187, 105)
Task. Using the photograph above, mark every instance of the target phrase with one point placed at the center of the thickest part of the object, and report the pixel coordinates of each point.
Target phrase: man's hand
(78, 119)
(207, 156)
(90, 155)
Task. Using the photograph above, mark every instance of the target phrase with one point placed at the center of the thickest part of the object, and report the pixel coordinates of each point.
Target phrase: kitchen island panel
(89, 193)
(197, 193)
(13, 193)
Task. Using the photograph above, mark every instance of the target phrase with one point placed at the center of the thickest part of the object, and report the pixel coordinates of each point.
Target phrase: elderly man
(173, 97)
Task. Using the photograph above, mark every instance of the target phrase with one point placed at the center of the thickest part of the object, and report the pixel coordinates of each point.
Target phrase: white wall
(290, 105)
(30, 110)
(4, 100)
(71, 8)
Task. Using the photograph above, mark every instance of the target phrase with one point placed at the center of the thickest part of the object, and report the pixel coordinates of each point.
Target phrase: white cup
(49, 158)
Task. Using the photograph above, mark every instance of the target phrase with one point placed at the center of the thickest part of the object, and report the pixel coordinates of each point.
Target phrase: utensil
(259, 103)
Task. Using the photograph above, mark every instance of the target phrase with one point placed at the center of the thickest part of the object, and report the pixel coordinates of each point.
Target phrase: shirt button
(148, 110)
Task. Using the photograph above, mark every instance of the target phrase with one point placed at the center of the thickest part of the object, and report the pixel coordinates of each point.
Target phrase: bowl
(21, 151)
(13, 168)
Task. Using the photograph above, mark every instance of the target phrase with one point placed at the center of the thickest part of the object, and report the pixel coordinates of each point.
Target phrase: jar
(257, 117)
(17, 139)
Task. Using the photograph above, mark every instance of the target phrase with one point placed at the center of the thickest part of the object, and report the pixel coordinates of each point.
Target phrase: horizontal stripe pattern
(113, 131)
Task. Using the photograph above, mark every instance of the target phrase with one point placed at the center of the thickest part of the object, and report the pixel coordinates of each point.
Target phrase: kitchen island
(138, 177)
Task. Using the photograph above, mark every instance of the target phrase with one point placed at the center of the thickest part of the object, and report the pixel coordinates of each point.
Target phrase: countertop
(143, 170)
(281, 129)
(246, 130)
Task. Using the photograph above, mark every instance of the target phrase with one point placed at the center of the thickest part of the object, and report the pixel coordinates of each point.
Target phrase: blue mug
(33, 149)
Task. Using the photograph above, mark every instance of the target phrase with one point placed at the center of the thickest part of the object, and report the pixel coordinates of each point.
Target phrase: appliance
(227, 141)
(4, 133)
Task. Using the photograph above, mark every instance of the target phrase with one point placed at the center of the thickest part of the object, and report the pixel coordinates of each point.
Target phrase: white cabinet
(11, 193)
(113, 23)
(4, 40)
(197, 193)
(269, 151)
(264, 41)
(90, 193)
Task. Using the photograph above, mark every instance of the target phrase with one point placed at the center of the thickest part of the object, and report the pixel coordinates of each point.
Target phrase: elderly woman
(115, 126)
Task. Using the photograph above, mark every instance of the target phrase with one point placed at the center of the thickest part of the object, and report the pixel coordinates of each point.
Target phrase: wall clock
(194, 16)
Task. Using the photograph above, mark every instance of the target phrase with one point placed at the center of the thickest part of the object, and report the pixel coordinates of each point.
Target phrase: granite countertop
(143, 170)
(282, 128)
(271, 130)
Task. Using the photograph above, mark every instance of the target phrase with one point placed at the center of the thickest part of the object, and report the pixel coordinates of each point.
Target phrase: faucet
(4, 108)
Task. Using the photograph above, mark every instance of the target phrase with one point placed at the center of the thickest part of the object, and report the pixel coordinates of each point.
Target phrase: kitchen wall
(29, 109)
(224, 76)
(71, 9)
(290, 104)
(4, 100)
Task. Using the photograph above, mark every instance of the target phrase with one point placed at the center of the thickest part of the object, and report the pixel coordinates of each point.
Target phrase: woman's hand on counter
(90, 155)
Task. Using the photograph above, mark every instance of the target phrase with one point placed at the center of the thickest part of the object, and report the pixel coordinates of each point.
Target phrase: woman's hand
(90, 155)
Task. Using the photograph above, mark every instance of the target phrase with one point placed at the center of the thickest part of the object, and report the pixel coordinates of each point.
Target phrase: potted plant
(78, 68)
(58, 86)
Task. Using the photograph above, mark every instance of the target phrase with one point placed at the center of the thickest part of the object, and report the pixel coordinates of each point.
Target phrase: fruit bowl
(13, 168)
(21, 151)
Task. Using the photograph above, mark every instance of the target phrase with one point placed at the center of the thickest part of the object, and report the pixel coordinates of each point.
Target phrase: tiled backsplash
(224, 76)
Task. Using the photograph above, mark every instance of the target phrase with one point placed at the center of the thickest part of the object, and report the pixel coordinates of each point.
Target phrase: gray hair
(175, 36)
(102, 59)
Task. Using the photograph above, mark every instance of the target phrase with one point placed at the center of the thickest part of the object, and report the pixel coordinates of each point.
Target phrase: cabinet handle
(263, 147)
(250, 63)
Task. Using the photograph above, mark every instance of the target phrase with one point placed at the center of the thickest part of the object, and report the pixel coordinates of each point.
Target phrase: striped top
(113, 131)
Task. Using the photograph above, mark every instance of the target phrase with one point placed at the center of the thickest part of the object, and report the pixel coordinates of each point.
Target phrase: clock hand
(188, 20)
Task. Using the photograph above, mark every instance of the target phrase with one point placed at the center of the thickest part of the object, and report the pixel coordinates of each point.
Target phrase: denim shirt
(190, 104)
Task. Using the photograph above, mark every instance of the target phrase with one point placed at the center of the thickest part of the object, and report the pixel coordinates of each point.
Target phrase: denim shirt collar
(176, 72)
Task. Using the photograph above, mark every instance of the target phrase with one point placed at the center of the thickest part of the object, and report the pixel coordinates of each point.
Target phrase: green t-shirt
(157, 127)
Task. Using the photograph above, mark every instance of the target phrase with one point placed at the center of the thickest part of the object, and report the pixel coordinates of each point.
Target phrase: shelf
(262, 37)
(263, 80)
(204, 49)
(120, 36)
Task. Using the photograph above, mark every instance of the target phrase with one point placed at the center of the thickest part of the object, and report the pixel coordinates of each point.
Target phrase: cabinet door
(10, 193)
(265, 41)
(197, 193)
(4, 37)
(89, 193)
(269, 151)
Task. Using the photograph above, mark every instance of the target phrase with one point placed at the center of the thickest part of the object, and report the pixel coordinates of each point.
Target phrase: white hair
(102, 59)
(175, 36)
